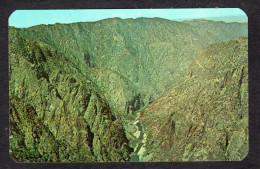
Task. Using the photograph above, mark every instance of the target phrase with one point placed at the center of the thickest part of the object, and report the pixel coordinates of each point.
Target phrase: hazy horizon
(29, 18)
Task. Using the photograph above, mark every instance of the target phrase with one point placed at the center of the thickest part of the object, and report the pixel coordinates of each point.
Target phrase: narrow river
(135, 155)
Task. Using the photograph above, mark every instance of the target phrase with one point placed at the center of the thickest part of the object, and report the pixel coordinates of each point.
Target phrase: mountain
(56, 115)
(205, 116)
(83, 85)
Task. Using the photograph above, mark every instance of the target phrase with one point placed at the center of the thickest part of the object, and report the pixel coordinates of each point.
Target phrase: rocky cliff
(205, 116)
(56, 115)
(76, 90)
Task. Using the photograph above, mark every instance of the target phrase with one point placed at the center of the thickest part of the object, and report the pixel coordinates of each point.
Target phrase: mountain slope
(56, 115)
(205, 116)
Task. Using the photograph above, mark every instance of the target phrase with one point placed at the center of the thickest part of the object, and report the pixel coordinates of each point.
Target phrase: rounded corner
(12, 158)
(245, 157)
(243, 12)
(10, 16)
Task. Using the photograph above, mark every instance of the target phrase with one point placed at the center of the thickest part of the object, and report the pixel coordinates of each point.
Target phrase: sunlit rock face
(77, 90)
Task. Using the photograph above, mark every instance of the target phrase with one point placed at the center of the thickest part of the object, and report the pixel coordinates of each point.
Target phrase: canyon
(145, 89)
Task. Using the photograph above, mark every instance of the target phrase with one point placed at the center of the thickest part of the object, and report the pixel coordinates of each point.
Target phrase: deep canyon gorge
(146, 89)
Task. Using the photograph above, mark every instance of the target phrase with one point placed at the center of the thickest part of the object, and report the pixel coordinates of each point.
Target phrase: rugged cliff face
(55, 112)
(205, 116)
(77, 90)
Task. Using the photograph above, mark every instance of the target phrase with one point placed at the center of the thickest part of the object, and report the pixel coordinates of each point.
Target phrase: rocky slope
(77, 90)
(56, 114)
(205, 116)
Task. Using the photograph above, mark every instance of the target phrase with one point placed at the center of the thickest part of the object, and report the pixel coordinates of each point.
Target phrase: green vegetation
(76, 91)
(57, 115)
(205, 116)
